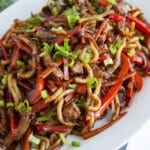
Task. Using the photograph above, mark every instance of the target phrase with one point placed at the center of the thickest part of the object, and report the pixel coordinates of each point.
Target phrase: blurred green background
(5, 3)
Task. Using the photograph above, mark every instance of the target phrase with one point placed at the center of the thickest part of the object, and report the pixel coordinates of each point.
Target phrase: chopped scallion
(92, 83)
(44, 94)
(113, 2)
(82, 104)
(20, 63)
(131, 53)
(4, 79)
(73, 86)
(34, 139)
(2, 103)
(108, 61)
(63, 138)
(34, 21)
(10, 104)
(75, 144)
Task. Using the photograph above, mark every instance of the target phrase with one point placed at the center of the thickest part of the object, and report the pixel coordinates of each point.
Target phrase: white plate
(139, 112)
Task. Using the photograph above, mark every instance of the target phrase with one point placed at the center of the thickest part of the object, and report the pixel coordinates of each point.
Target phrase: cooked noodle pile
(68, 66)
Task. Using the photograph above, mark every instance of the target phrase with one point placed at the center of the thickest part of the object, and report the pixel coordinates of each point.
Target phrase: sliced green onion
(4, 79)
(59, 30)
(87, 58)
(92, 83)
(113, 47)
(113, 2)
(44, 94)
(108, 61)
(2, 103)
(34, 139)
(82, 104)
(20, 63)
(72, 16)
(24, 106)
(131, 53)
(66, 44)
(39, 32)
(75, 144)
(10, 104)
(36, 40)
(63, 138)
(34, 21)
(46, 118)
(46, 48)
(73, 86)
(141, 38)
(27, 29)
(54, 10)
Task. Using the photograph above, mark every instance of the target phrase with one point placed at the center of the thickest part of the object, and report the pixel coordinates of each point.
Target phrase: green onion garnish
(87, 58)
(10, 104)
(141, 38)
(92, 83)
(63, 138)
(82, 104)
(4, 79)
(108, 61)
(75, 144)
(113, 47)
(27, 29)
(20, 63)
(34, 139)
(34, 21)
(131, 53)
(2, 103)
(46, 118)
(113, 2)
(72, 16)
(24, 106)
(73, 86)
(44, 94)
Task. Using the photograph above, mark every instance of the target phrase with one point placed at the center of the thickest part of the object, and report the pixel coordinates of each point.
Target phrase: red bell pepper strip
(107, 99)
(124, 67)
(81, 89)
(103, 2)
(101, 129)
(130, 90)
(39, 106)
(140, 25)
(13, 122)
(137, 60)
(26, 142)
(138, 82)
(103, 57)
(15, 56)
(22, 46)
(116, 18)
(50, 69)
(34, 95)
(53, 128)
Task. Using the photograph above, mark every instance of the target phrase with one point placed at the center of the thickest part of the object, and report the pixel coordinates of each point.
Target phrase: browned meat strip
(3, 121)
(77, 68)
(71, 111)
(98, 73)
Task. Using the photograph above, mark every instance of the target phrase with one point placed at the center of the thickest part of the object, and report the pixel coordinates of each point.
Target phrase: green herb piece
(10, 104)
(141, 38)
(27, 29)
(87, 58)
(2, 103)
(20, 63)
(54, 10)
(82, 104)
(131, 53)
(34, 139)
(34, 21)
(24, 106)
(4, 79)
(95, 4)
(44, 94)
(113, 2)
(46, 118)
(72, 16)
(73, 86)
(108, 61)
(39, 32)
(113, 47)
(75, 144)
(36, 40)
(92, 83)
(63, 138)
(46, 48)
